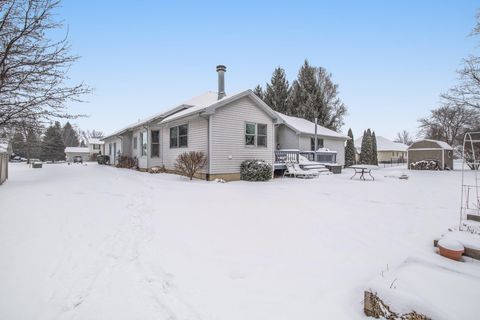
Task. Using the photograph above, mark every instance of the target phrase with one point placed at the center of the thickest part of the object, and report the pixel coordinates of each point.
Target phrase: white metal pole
(315, 143)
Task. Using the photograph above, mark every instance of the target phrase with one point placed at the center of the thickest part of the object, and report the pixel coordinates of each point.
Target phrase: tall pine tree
(18, 144)
(350, 150)
(366, 154)
(259, 91)
(277, 91)
(69, 136)
(52, 145)
(304, 95)
(374, 149)
(314, 95)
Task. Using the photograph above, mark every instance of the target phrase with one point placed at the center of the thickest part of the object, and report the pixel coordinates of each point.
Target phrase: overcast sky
(391, 59)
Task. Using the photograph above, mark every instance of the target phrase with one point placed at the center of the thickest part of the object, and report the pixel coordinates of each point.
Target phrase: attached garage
(431, 150)
(72, 152)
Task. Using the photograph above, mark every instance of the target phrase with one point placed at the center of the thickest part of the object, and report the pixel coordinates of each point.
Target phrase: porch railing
(282, 156)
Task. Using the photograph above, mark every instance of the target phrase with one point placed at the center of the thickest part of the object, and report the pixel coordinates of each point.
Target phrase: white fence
(3, 167)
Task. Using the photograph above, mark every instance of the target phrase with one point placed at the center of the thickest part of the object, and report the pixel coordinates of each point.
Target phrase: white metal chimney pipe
(221, 69)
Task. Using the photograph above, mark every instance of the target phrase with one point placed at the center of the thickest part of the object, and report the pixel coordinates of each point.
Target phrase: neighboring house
(299, 134)
(95, 146)
(5, 152)
(228, 129)
(72, 152)
(427, 149)
(387, 150)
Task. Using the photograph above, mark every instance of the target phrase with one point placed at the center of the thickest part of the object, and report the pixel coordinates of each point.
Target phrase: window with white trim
(255, 134)
(135, 142)
(179, 136)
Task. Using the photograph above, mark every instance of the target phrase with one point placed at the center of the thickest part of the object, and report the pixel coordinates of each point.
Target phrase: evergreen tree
(32, 145)
(366, 154)
(314, 95)
(350, 150)
(259, 91)
(363, 147)
(18, 144)
(69, 136)
(52, 144)
(277, 91)
(374, 149)
(368, 147)
(304, 95)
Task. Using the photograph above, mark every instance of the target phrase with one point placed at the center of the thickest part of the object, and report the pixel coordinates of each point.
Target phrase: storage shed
(427, 149)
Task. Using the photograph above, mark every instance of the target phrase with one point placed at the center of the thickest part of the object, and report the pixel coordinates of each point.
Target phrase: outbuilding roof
(76, 150)
(304, 126)
(383, 144)
(440, 144)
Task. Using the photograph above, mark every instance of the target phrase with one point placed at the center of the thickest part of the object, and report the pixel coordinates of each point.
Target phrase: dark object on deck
(334, 168)
(103, 159)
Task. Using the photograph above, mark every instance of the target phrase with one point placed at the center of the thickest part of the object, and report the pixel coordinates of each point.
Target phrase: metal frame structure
(470, 195)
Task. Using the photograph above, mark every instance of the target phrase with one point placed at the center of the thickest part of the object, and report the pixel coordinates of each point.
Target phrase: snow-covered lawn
(95, 242)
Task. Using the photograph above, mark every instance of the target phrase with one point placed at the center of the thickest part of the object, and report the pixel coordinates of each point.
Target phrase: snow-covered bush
(425, 165)
(255, 170)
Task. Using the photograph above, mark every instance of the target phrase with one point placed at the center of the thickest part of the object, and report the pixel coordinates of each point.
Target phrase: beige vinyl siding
(305, 142)
(197, 139)
(228, 136)
(286, 137)
(336, 145)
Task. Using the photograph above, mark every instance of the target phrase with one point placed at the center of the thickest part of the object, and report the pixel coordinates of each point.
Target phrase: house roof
(76, 150)
(304, 126)
(441, 144)
(200, 100)
(208, 106)
(383, 144)
(95, 141)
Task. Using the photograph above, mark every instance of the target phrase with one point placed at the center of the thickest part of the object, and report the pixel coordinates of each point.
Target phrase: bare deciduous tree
(467, 92)
(404, 137)
(449, 122)
(189, 163)
(33, 68)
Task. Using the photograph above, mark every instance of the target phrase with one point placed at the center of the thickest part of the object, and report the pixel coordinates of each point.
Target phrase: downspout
(146, 128)
(209, 148)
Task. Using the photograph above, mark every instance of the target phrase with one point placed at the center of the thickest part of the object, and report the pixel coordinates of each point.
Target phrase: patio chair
(305, 173)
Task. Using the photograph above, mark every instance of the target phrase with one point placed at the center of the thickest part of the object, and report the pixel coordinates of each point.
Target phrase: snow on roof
(304, 126)
(76, 150)
(95, 141)
(197, 104)
(441, 144)
(383, 144)
(205, 98)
